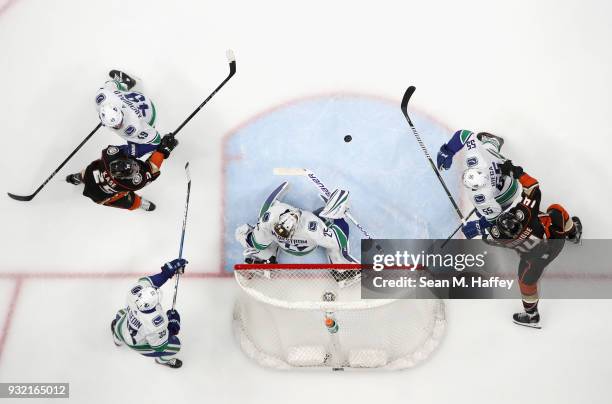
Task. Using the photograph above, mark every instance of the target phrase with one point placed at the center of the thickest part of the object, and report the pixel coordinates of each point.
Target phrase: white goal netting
(310, 316)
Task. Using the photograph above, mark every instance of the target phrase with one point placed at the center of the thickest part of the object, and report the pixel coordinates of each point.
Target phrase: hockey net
(311, 315)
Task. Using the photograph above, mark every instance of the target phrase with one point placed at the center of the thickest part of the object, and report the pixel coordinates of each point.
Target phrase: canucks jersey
(139, 329)
(139, 114)
(501, 191)
(311, 232)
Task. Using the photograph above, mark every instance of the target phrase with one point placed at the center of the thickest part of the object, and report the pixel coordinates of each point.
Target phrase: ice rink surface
(537, 73)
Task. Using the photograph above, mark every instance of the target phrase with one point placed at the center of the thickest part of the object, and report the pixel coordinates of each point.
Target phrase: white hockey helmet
(287, 223)
(147, 298)
(110, 114)
(475, 178)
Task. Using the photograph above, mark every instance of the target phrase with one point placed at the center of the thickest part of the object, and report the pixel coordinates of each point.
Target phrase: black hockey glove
(167, 144)
(174, 322)
(508, 168)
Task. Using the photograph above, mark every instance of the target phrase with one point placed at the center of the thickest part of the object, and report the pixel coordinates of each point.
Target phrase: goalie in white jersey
(299, 232)
(144, 326)
(490, 191)
(128, 113)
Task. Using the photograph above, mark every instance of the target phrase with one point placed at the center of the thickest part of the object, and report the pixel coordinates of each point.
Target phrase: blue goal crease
(394, 193)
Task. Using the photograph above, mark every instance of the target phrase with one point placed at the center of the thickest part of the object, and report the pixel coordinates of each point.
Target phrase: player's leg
(129, 201)
(115, 330)
(490, 139)
(531, 267)
(76, 178)
(166, 357)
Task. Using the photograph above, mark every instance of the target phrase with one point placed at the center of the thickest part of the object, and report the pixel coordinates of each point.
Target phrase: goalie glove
(336, 206)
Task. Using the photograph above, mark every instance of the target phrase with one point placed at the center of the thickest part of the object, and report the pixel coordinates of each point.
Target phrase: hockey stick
(183, 231)
(404, 107)
(322, 189)
(232, 65)
(458, 228)
(26, 198)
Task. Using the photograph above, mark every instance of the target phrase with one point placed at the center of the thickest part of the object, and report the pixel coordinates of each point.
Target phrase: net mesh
(313, 316)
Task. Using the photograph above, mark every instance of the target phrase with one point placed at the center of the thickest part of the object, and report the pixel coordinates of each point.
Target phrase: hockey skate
(74, 179)
(484, 137)
(174, 363)
(147, 205)
(116, 339)
(122, 78)
(576, 235)
(527, 319)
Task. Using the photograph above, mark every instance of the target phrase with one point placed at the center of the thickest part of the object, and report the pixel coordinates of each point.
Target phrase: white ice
(536, 72)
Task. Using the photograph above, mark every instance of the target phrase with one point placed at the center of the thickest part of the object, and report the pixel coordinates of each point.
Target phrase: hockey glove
(174, 322)
(508, 168)
(475, 227)
(176, 266)
(167, 144)
(445, 158)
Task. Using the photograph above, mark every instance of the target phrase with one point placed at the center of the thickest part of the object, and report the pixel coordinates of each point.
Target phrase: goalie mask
(287, 223)
(475, 178)
(510, 224)
(147, 299)
(124, 168)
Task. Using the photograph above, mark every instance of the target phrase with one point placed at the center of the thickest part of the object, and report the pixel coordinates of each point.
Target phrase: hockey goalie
(299, 232)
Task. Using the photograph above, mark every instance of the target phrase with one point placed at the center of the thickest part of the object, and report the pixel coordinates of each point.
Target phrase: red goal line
(306, 267)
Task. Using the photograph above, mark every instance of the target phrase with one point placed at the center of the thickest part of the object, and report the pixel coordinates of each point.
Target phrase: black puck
(348, 138)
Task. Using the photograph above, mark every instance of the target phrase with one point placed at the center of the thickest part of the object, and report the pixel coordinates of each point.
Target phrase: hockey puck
(348, 138)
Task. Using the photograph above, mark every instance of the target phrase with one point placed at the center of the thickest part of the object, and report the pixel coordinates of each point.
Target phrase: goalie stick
(316, 181)
(182, 231)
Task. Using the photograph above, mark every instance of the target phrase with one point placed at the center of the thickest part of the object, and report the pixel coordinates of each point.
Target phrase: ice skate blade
(530, 325)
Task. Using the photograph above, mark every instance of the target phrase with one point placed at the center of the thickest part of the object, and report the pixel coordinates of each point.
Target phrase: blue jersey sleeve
(459, 139)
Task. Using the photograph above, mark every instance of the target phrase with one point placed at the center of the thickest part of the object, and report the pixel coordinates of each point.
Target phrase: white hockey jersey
(143, 329)
(501, 191)
(311, 232)
(139, 114)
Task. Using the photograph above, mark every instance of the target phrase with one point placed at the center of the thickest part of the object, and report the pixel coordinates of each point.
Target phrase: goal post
(312, 316)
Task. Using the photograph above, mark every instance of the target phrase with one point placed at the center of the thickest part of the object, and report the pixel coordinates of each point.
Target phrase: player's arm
(162, 152)
(176, 266)
(531, 187)
(449, 149)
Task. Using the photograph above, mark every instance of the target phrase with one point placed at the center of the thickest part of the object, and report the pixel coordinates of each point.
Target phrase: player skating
(299, 232)
(537, 237)
(128, 113)
(112, 179)
(144, 326)
(490, 191)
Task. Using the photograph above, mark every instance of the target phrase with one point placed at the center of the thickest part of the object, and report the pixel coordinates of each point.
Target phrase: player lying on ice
(299, 232)
(128, 113)
(509, 221)
(143, 326)
(112, 179)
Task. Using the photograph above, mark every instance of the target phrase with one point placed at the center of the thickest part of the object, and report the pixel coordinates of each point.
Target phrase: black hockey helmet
(509, 224)
(124, 168)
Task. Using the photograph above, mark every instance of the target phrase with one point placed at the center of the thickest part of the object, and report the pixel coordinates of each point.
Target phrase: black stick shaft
(229, 76)
(457, 229)
(404, 107)
(30, 197)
